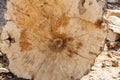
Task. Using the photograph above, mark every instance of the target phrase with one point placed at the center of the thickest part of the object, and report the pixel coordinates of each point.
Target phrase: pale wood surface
(52, 39)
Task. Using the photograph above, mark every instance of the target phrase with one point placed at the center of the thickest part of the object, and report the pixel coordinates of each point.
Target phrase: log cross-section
(53, 39)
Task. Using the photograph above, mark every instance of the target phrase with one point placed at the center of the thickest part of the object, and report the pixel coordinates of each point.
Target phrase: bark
(52, 39)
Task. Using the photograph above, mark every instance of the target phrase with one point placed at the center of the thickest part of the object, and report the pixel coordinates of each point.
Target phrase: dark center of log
(57, 45)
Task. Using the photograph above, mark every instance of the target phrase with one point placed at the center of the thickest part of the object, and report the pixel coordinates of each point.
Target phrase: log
(52, 39)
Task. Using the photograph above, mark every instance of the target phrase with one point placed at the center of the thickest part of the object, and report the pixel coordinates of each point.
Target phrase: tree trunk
(52, 39)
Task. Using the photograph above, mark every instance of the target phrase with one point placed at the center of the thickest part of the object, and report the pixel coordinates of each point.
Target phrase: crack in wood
(10, 39)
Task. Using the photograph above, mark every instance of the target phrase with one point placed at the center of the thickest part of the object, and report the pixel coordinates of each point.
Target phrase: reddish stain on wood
(24, 43)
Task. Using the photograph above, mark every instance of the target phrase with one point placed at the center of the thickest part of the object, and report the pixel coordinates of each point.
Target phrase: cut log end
(52, 43)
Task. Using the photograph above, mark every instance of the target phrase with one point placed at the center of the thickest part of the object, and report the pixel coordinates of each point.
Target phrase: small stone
(114, 20)
(119, 73)
(0, 77)
(114, 77)
(4, 70)
(4, 78)
(111, 45)
(114, 28)
(103, 65)
(15, 78)
(1, 54)
(115, 64)
(112, 1)
(10, 75)
(110, 55)
(119, 1)
(112, 36)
